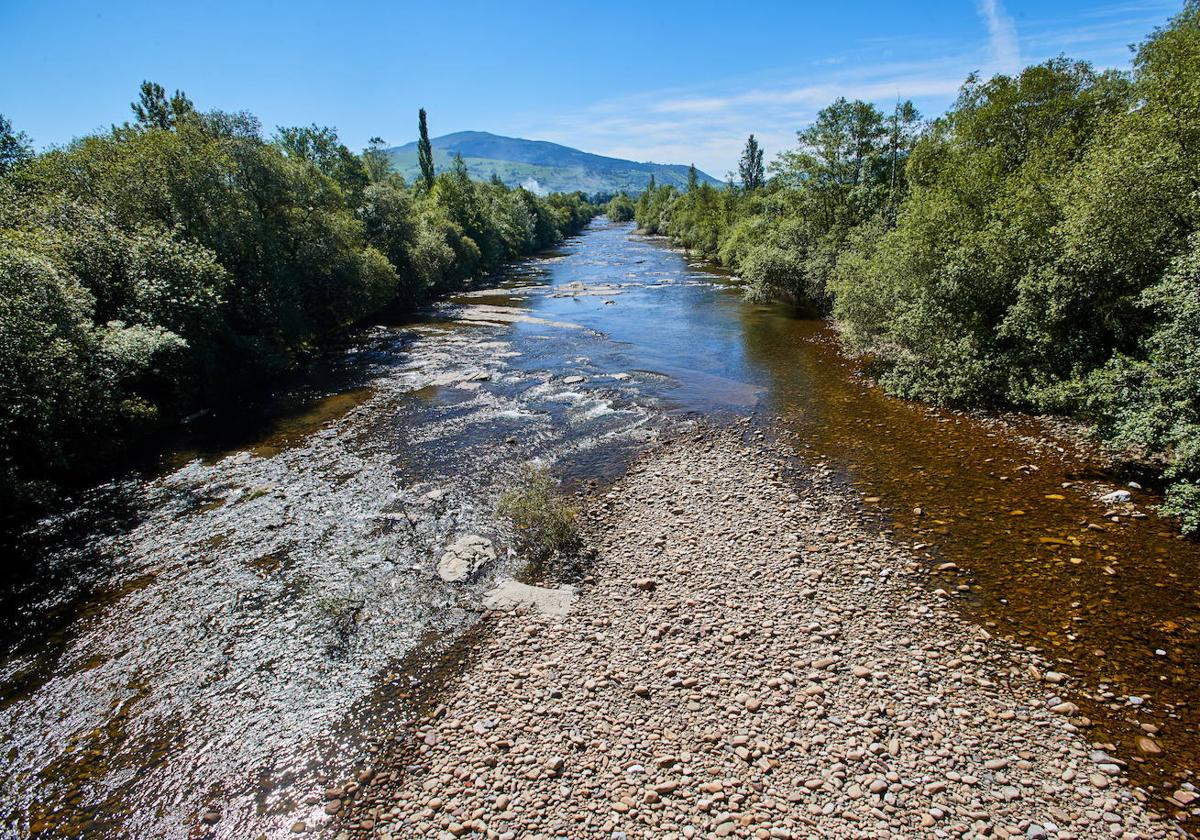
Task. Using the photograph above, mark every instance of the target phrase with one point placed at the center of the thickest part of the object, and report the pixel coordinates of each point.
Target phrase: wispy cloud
(708, 124)
(1002, 36)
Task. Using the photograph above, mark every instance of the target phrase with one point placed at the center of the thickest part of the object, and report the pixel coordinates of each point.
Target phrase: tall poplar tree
(693, 178)
(425, 152)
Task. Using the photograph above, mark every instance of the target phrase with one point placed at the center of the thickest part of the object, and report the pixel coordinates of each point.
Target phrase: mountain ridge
(540, 165)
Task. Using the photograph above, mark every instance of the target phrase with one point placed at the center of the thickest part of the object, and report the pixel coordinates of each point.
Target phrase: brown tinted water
(225, 636)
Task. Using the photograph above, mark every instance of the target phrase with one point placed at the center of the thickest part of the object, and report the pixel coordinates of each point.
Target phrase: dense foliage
(1035, 247)
(161, 266)
(619, 208)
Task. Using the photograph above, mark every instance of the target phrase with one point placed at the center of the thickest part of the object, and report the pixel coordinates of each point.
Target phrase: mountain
(539, 166)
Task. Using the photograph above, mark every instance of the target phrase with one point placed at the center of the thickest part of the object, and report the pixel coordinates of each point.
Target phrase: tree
(154, 110)
(750, 168)
(837, 161)
(693, 178)
(320, 146)
(424, 151)
(14, 146)
(903, 128)
(375, 159)
(620, 209)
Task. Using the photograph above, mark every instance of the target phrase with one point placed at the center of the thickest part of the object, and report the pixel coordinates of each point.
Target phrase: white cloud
(1002, 36)
(707, 124)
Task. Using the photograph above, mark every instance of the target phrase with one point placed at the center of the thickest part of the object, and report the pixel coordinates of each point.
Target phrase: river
(225, 634)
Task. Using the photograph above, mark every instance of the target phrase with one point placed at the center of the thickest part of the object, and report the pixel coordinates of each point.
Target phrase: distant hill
(538, 165)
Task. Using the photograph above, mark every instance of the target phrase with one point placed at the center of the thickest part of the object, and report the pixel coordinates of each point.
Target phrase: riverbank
(750, 656)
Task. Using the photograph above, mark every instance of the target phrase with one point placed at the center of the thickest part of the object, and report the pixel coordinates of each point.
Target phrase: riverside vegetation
(1035, 247)
(165, 265)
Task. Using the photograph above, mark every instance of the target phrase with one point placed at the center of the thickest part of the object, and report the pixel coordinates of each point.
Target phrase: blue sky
(674, 82)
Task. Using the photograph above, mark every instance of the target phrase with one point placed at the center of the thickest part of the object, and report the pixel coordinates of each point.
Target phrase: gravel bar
(747, 657)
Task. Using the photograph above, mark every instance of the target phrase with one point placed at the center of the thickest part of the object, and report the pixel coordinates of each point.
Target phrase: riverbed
(205, 647)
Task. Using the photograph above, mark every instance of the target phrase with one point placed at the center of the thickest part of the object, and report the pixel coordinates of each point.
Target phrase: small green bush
(544, 522)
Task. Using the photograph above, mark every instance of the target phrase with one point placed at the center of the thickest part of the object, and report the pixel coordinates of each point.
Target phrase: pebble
(717, 707)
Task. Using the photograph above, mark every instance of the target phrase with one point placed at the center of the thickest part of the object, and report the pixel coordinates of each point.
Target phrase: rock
(299, 827)
(1116, 497)
(465, 557)
(723, 705)
(573, 380)
(211, 817)
(1148, 745)
(511, 594)
(1184, 797)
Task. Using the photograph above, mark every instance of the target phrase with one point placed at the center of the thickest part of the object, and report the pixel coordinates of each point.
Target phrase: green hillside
(539, 165)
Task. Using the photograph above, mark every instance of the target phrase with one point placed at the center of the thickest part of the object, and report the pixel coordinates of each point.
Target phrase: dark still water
(221, 640)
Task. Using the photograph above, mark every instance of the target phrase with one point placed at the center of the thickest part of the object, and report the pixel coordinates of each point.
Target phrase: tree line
(175, 260)
(1034, 247)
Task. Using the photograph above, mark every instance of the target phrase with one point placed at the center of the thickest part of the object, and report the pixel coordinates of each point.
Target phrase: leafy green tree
(620, 208)
(837, 161)
(693, 178)
(375, 159)
(1150, 401)
(750, 167)
(961, 293)
(15, 147)
(52, 386)
(320, 146)
(903, 131)
(154, 110)
(424, 151)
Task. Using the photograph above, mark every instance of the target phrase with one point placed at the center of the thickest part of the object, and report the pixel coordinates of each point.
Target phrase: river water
(224, 637)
